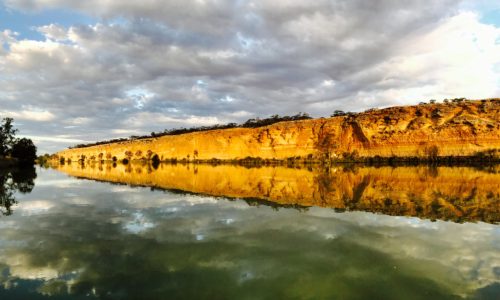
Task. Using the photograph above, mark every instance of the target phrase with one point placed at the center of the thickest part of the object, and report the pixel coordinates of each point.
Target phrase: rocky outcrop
(461, 128)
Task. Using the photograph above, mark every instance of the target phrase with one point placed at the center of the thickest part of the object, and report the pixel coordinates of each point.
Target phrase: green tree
(7, 136)
(24, 150)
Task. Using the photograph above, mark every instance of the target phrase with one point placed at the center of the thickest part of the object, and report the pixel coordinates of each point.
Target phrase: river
(136, 231)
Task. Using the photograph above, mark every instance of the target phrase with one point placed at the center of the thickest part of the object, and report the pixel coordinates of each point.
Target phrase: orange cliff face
(448, 129)
(447, 193)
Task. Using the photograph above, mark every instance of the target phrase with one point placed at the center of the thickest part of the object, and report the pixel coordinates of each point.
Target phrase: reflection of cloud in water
(27, 208)
(139, 224)
(21, 267)
(220, 246)
(60, 183)
(124, 189)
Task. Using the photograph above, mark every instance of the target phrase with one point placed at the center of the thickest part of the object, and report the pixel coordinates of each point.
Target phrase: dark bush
(338, 113)
(24, 150)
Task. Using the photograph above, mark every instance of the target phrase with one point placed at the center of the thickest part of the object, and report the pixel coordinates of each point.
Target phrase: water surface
(228, 232)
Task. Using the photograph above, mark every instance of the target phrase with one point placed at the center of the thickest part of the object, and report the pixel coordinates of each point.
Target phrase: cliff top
(433, 115)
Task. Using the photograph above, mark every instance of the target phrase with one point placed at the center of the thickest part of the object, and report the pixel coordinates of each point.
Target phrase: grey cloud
(265, 56)
(186, 15)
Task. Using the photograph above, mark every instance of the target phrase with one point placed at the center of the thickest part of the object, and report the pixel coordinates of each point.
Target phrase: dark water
(67, 238)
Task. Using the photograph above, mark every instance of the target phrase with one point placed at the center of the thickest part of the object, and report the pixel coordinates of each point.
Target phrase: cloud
(39, 116)
(53, 32)
(144, 119)
(207, 61)
(56, 139)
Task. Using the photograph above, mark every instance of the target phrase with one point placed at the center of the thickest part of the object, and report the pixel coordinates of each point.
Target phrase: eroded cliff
(431, 130)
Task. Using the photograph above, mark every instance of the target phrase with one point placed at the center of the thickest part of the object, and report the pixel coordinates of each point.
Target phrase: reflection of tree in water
(12, 180)
(6, 194)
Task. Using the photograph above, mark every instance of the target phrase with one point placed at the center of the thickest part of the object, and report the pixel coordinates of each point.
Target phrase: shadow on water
(14, 180)
(459, 194)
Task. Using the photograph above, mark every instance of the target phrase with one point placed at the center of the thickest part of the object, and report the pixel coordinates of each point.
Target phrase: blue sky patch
(25, 22)
(491, 17)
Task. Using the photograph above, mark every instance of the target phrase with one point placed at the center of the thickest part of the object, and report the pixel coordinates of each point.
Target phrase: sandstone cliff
(430, 130)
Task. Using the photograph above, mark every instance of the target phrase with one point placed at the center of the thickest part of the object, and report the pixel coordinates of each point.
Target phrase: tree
(129, 154)
(432, 152)
(24, 150)
(7, 136)
(326, 145)
(338, 113)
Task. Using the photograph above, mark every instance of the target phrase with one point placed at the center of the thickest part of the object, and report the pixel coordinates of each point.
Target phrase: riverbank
(457, 131)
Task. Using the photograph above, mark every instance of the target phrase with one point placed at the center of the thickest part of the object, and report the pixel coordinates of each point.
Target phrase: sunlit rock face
(453, 129)
(448, 193)
(448, 129)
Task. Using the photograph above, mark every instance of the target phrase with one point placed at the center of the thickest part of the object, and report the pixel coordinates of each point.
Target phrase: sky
(81, 71)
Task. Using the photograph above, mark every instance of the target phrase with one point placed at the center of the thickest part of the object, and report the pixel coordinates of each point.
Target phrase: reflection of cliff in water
(459, 194)
(14, 180)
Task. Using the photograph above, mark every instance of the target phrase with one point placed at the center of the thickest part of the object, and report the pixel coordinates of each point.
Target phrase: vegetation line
(484, 158)
(251, 123)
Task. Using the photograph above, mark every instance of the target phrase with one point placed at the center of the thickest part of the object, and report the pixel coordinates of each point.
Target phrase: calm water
(228, 232)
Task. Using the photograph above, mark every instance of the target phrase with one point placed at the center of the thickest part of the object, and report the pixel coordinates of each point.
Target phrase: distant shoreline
(467, 161)
(461, 132)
